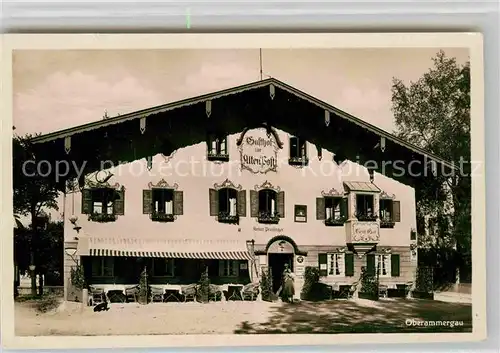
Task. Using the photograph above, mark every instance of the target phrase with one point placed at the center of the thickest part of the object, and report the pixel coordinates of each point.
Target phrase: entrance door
(277, 263)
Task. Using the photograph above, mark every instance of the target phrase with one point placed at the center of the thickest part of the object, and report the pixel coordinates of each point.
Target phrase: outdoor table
(234, 291)
(115, 290)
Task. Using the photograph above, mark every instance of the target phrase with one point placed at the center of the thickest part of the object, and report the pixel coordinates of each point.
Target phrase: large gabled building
(239, 180)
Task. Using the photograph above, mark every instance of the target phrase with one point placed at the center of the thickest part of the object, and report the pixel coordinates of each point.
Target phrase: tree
(434, 113)
(32, 194)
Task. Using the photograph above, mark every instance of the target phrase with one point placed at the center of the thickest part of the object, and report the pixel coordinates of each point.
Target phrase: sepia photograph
(198, 191)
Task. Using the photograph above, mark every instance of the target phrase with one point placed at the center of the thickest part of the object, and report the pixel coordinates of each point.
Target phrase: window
(228, 268)
(364, 208)
(103, 266)
(268, 206)
(163, 201)
(336, 264)
(162, 204)
(163, 267)
(217, 147)
(300, 213)
(228, 203)
(383, 265)
(331, 209)
(386, 214)
(103, 204)
(298, 151)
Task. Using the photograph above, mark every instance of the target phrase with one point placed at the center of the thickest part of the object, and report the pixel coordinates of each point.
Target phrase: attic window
(298, 151)
(217, 148)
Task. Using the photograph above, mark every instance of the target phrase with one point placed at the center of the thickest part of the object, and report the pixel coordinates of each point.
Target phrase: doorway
(277, 263)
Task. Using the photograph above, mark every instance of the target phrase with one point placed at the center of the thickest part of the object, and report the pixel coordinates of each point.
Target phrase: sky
(56, 89)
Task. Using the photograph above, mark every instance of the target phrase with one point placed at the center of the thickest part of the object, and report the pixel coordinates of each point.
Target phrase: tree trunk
(32, 271)
(40, 284)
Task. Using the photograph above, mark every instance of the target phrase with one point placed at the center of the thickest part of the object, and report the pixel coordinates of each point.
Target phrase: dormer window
(298, 151)
(103, 204)
(364, 207)
(227, 202)
(217, 148)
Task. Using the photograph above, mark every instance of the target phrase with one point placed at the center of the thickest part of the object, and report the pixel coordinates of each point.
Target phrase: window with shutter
(242, 203)
(214, 202)
(323, 264)
(336, 265)
(163, 204)
(396, 211)
(119, 203)
(227, 199)
(178, 203)
(320, 208)
(281, 204)
(100, 204)
(254, 203)
(147, 201)
(395, 265)
(333, 211)
(86, 201)
(269, 206)
(370, 264)
(349, 264)
(386, 213)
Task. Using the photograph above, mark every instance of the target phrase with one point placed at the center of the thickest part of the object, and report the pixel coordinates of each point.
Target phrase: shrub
(204, 286)
(143, 287)
(78, 277)
(266, 285)
(369, 284)
(424, 280)
(311, 277)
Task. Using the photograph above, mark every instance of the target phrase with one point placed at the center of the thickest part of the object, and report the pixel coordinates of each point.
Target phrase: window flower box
(366, 217)
(225, 217)
(268, 218)
(102, 217)
(221, 157)
(386, 223)
(335, 221)
(298, 161)
(162, 217)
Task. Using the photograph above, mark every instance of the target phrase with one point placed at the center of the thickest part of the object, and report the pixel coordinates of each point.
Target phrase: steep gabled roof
(233, 91)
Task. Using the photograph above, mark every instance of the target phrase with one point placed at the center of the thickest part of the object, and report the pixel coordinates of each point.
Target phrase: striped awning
(165, 248)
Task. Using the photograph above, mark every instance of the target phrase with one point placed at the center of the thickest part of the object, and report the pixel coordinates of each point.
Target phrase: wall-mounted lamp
(73, 219)
(71, 252)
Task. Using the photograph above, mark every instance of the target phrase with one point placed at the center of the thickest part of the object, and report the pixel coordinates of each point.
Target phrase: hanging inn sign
(259, 150)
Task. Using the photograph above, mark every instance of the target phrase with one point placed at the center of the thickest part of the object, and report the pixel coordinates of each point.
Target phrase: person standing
(288, 286)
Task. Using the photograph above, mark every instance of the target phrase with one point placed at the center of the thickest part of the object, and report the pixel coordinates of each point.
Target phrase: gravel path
(135, 319)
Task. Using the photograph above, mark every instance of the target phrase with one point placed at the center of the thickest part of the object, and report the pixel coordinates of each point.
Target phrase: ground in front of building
(339, 316)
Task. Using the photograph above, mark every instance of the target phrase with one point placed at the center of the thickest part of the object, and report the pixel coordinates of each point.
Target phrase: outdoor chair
(408, 288)
(97, 295)
(157, 294)
(234, 293)
(131, 294)
(250, 291)
(214, 293)
(189, 292)
(382, 291)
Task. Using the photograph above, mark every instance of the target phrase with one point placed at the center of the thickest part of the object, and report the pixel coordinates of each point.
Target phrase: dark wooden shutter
(343, 207)
(178, 203)
(281, 204)
(323, 264)
(119, 203)
(395, 265)
(396, 211)
(349, 264)
(147, 201)
(254, 203)
(294, 146)
(242, 203)
(214, 202)
(86, 201)
(370, 264)
(320, 208)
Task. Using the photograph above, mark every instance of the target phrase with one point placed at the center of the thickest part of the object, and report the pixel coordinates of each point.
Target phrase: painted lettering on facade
(259, 152)
(268, 229)
(365, 231)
